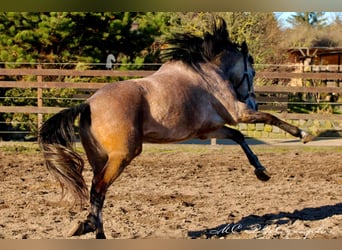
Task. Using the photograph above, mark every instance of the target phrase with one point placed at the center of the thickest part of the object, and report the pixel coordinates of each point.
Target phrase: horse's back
(119, 97)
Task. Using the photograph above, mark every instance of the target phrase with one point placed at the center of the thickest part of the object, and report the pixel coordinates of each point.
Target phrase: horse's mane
(193, 49)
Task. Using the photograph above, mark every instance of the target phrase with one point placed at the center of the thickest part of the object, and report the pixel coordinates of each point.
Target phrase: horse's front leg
(230, 133)
(250, 116)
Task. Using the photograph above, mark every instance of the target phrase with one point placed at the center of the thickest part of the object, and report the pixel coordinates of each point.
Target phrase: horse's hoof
(82, 228)
(306, 137)
(262, 174)
(76, 230)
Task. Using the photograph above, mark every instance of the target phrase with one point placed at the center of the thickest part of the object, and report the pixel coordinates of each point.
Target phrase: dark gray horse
(206, 84)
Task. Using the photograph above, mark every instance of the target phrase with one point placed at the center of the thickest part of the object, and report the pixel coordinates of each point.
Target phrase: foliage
(66, 37)
(311, 29)
(312, 19)
(261, 32)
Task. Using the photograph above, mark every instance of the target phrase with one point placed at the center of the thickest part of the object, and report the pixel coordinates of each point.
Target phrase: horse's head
(241, 74)
(237, 67)
(234, 61)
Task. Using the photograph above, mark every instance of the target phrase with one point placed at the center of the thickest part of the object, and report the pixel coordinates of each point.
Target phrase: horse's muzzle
(251, 103)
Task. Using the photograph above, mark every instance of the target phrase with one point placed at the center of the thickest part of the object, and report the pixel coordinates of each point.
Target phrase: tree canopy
(66, 37)
(134, 37)
(313, 19)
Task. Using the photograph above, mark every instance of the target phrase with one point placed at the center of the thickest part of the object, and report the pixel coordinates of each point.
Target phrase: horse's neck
(216, 83)
(221, 91)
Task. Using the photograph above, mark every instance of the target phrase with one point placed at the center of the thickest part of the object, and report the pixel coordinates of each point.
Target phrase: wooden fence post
(39, 98)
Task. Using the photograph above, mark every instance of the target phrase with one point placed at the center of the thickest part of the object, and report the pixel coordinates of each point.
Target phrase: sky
(282, 16)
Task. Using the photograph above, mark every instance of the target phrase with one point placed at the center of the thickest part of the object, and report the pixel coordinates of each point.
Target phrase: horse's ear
(244, 48)
(220, 29)
(221, 23)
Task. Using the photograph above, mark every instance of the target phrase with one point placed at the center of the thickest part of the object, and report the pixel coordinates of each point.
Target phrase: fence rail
(39, 73)
(72, 72)
(97, 85)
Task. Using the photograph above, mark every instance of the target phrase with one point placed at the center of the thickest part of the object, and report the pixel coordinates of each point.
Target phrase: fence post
(39, 98)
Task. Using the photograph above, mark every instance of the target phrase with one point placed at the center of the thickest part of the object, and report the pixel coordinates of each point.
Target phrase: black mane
(193, 49)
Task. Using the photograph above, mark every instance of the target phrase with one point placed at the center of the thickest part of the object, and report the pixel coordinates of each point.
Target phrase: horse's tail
(56, 139)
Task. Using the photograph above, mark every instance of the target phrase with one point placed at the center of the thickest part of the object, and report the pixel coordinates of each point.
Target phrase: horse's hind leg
(101, 181)
(238, 137)
(103, 178)
(108, 151)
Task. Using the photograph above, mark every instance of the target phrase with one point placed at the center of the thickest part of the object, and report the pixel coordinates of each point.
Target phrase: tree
(260, 30)
(305, 33)
(64, 37)
(312, 19)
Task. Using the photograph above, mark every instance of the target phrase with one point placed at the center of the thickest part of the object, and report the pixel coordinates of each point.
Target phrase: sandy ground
(185, 191)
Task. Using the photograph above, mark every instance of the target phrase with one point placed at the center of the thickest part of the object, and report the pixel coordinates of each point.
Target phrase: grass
(302, 148)
(176, 148)
(19, 147)
(27, 147)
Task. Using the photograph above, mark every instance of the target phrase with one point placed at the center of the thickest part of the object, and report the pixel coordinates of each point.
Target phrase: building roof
(305, 52)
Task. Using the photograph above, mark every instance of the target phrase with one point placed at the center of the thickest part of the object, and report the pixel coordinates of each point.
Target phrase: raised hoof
(262, 174)
(82, 228)
(100, 236)
(306, 137)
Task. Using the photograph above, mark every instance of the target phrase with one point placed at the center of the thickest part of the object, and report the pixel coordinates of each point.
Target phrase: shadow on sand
(258, 223)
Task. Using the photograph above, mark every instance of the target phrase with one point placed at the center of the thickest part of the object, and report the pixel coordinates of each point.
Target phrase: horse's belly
(165, 135)
(181, 131)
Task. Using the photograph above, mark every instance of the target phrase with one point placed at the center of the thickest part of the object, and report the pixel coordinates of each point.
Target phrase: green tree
(312, 19)
(64, 37)
(261, 32)
(259, 29)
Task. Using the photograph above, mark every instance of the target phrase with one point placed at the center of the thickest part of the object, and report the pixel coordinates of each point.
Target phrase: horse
(205, 84)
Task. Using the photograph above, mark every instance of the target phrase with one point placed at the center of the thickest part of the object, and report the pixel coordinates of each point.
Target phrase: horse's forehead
(230, 57)
(238, 65)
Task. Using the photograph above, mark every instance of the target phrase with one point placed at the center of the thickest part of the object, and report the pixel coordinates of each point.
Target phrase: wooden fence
(40, 84)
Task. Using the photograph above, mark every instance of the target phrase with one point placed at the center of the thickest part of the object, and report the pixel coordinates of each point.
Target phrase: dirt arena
(185, 191)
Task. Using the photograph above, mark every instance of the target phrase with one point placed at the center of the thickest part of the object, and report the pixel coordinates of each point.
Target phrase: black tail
(56, 139)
